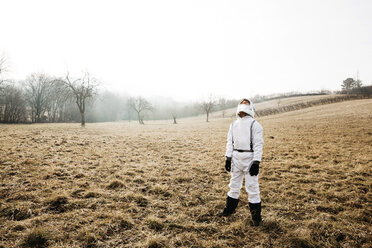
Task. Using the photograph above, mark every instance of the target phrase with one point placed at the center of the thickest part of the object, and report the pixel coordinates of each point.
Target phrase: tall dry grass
(160, 185)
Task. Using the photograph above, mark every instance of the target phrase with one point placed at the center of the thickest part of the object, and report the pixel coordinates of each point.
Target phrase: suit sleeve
(258, 141)
(229, 143)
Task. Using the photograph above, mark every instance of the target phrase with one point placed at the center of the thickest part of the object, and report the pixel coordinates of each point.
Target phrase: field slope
(160, 185)
(288, 104)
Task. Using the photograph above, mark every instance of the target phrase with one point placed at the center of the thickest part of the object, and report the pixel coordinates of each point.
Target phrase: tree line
(41, 98)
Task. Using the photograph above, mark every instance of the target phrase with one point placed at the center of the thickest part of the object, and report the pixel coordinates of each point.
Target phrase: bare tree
(3, 68)
(82, 89)
(14, 110)
(140, 105)
(38, 90)
(58, 98)
(2, 96)
(358, 83)
(208, 106)
(173, 112)
(222, 105)
(172, 109)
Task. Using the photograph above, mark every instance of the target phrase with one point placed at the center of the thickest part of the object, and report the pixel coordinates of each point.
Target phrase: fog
(146, 60)
(186, 50)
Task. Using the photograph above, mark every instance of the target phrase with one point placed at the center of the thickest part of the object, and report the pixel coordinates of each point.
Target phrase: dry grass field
(160, 185)
(282, 102)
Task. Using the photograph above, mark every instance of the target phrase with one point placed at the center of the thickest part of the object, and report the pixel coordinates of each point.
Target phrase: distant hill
(288, 104)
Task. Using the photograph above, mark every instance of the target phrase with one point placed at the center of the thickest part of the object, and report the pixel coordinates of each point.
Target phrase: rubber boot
(255, 209)
(231, 205)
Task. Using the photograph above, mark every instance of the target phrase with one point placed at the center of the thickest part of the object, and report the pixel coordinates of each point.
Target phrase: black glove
(255, 167)
(228, 164)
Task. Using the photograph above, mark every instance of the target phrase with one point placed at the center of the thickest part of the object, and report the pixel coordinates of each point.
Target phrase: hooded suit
(244, 145)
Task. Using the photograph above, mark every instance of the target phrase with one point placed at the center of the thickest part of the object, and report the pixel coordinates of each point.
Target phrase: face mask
(246, 109)
(243, 108)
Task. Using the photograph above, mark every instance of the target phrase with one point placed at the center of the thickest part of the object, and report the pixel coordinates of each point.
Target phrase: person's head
(245, 108)
(245, 101)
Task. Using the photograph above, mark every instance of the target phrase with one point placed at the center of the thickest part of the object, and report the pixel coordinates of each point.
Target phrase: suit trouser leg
(252, 188)
(236, 183)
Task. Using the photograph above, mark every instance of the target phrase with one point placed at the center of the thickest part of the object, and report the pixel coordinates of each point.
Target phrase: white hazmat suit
(244, 145)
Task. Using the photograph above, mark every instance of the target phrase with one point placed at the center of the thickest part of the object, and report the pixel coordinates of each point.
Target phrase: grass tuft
(16, 213)
(18, 228)
(115, 185)
(88, 239)
(298, 242)
(156, 242)
(271, 226)
(137, 198)
(91, 195)
(155, 223)
(58, 204)
(125, 224)
(37, 238)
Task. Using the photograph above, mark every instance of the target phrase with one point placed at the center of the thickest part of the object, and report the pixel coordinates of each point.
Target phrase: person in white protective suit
(243, 155)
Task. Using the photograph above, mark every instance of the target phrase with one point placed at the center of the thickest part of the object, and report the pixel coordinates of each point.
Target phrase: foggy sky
(190, 49)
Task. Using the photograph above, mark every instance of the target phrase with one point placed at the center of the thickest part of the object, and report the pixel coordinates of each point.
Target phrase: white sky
(190, 49)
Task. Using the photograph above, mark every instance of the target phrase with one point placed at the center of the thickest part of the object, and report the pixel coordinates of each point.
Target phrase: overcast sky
(189, 49)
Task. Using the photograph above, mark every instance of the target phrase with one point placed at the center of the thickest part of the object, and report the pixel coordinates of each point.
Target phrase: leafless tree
(358, 83)
(82, 89)
(14, 109)
(3, 68)
(173, 112)
(38, 91)
(222, 105)
(58, 99)
(208, 106)
(140, 105)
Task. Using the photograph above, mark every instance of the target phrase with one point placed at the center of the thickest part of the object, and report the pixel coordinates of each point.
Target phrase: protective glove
(255, 167)
(228, 164)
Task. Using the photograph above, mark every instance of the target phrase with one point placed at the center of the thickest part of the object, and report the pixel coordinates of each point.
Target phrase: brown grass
(282, 105)
(160, 185)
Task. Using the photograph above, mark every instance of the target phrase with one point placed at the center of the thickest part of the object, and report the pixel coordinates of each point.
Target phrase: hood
(248, 109)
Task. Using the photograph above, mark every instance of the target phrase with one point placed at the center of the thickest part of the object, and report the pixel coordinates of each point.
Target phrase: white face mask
(243, 108)
(248, 109)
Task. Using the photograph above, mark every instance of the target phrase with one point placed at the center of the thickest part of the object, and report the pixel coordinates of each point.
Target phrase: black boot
(256, 213)
(231, 205)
